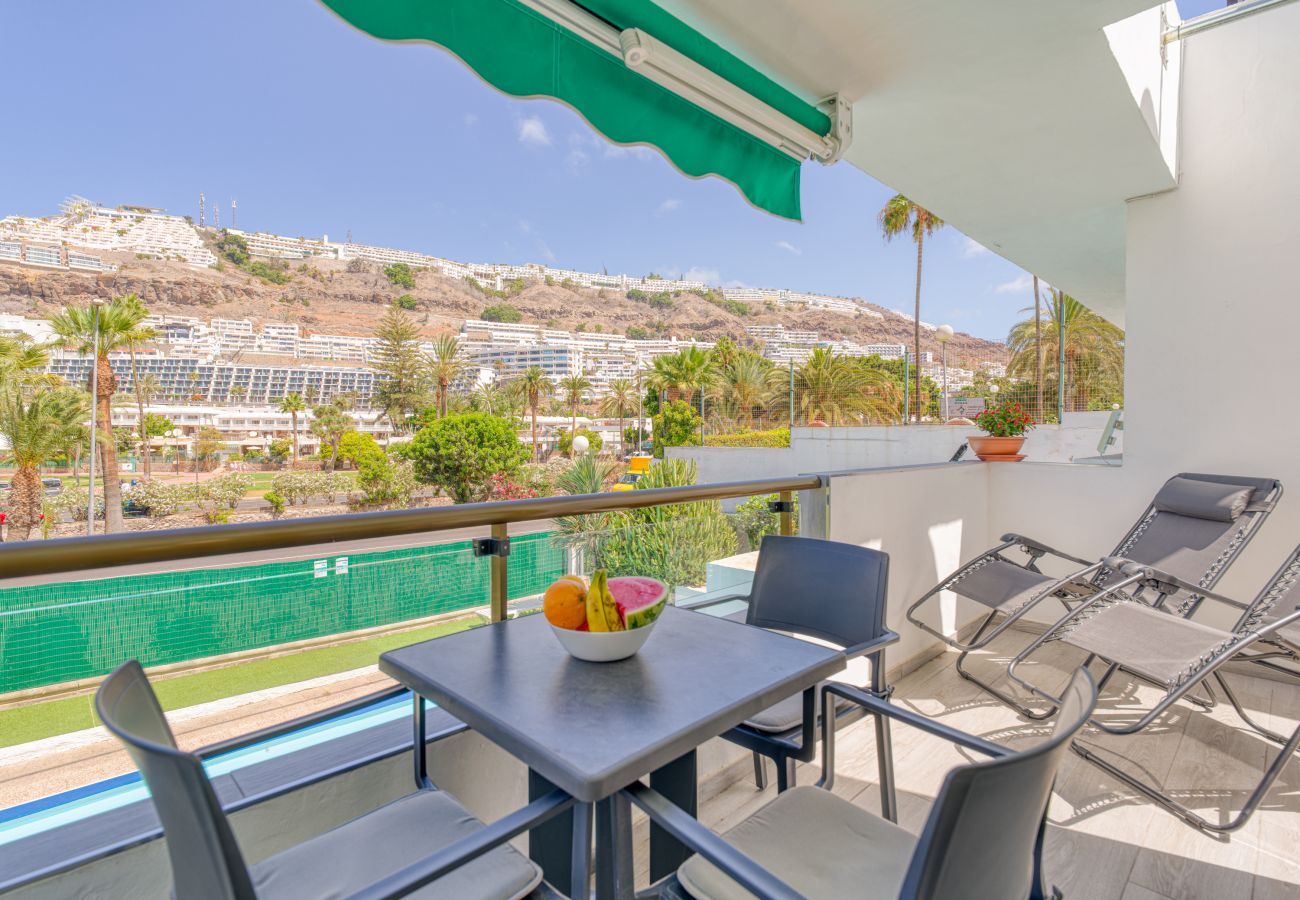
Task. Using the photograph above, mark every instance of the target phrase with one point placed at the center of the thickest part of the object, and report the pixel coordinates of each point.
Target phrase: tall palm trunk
(139, 404)
(293, 423)
(107, 387)
(26, 492)
(1038, 349)
(916, 323)
(532, 409)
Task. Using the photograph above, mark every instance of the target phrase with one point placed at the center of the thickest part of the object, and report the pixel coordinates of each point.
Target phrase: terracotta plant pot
(997, 449)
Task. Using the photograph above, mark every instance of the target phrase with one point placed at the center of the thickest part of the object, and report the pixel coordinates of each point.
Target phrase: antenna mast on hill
(349, 235)
(216, 217)
(233, 203)
(202, 204)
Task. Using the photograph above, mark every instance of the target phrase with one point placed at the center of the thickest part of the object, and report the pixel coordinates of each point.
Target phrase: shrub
(460, 453)
(407, 302)
(276, 501)
(384, 482)
(776, 437)
(226, 491)
(161, 499)
(501, 312)
(400, 274)
(755, 521)
(503, 487)
(674, 543)
(676, 425)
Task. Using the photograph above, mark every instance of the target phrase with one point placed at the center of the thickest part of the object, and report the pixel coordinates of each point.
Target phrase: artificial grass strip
(22, 724)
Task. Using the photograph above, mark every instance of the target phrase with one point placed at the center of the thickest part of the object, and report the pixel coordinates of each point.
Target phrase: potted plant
(1004, 427)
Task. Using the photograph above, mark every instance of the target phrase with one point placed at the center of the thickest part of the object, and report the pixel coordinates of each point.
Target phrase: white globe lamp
(580, 445)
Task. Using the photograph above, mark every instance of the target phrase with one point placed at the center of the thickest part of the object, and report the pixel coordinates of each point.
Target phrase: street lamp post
(944, 334)
(96, 302)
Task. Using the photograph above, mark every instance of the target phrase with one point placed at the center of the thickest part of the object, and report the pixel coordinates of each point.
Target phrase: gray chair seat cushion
(788, 713)
(820, 844)
(369, 848)
(1001, 585)
(1158, 645)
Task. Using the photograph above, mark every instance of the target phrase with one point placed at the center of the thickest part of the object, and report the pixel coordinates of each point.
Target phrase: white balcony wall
(928, 519)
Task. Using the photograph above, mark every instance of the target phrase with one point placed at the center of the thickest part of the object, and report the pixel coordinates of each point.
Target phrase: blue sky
(316, 129)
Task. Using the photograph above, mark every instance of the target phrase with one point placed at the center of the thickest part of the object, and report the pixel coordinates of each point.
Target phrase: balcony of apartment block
(301, 611)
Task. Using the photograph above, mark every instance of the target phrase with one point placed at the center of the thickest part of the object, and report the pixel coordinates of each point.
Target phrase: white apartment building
(245, 427)
(779, 334)
(886, 351)
(149, 232)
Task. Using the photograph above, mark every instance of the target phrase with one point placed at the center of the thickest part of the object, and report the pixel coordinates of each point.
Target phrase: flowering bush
(501, 487)
(1007, 420)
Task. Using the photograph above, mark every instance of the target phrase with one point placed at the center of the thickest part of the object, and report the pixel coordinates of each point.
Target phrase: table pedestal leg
(677, 782)
(552, 844)
(614, 849)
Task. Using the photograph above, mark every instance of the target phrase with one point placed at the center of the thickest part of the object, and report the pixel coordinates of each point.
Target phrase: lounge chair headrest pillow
(1203, 499)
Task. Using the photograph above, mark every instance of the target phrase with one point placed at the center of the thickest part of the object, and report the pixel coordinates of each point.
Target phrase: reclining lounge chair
(1194, 529)
(1180, 653)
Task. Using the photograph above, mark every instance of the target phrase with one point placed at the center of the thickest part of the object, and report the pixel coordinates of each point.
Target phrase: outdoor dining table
(592, 729)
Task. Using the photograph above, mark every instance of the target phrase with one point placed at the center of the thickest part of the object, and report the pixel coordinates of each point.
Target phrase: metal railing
(68, 555)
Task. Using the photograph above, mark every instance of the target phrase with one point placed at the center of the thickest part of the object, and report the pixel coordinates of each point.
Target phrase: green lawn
(41, 720)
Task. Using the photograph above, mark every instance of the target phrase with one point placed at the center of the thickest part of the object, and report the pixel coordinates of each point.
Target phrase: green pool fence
(66, 631)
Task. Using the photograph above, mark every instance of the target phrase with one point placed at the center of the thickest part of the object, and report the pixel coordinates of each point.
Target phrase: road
(313, 551)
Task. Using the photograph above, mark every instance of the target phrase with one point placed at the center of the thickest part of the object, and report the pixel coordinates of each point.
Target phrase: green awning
(524, 53)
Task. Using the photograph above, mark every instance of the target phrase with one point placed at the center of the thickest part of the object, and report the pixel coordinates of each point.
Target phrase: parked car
(53, 486)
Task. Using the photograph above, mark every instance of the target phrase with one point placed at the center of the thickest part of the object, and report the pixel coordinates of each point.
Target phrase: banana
(614, 620)
(596, 603)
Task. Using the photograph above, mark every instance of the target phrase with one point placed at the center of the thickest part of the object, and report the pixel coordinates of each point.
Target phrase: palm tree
(293, 404)
(837, 390)
(535, 386)
(35, 430)
(620, 399)
(118, 328)
(746, 384)
(1094, 349)
(142, 334)
(681, 374)
(446, 363)
(23, 362)
(901, 215)
(146, 388)
(574, 388)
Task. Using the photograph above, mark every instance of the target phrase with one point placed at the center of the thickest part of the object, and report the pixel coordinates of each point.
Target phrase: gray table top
(593, 728)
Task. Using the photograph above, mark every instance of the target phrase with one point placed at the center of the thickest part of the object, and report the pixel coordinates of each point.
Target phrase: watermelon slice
(640, 600)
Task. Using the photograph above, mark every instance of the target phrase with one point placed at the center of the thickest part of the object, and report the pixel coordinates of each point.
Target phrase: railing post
(787, 513)
(500, 574)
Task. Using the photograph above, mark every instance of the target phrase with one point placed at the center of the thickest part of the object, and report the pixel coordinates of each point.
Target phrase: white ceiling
(1011, 119)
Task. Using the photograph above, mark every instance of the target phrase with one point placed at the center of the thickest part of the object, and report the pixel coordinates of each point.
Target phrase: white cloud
(614, 151)
(788, 248)
(972, 248)
(532, 130)
(708, 276)
(1018, 285)
(669, 205)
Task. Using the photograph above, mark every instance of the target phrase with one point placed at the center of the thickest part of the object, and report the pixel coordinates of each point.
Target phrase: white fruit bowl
(603, 646)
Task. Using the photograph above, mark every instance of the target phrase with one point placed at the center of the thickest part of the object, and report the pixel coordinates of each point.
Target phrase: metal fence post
(500, 567)
(787, 512)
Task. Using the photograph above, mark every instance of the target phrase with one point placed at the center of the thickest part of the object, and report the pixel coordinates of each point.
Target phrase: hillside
(325, 297)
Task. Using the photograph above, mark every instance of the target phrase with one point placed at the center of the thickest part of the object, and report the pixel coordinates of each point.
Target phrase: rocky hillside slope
(326, 297)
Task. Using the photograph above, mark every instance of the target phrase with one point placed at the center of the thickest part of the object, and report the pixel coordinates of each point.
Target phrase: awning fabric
(523, 53)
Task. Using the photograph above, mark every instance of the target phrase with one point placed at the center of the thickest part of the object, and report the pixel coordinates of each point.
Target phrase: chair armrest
(422, 872)
(916, 720)
(714, 601)
(275, 731)
(1013, 538)
(875, 645)
(685, 828)
(1167, 584)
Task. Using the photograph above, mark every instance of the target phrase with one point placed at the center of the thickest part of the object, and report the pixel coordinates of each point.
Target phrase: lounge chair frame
(1079, 585)
(1253, 626)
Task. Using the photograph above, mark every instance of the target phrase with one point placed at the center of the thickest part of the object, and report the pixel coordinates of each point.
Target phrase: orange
(565, 603)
